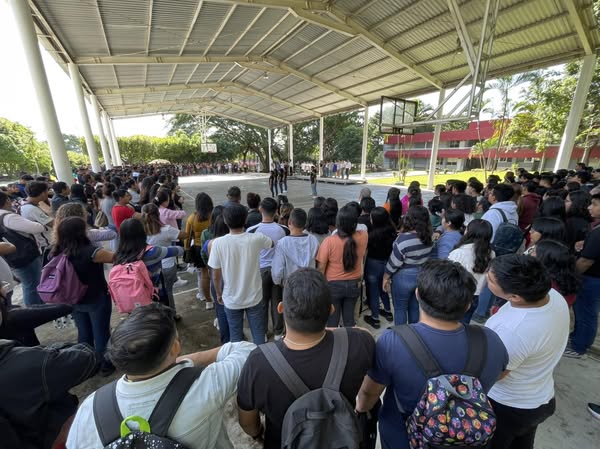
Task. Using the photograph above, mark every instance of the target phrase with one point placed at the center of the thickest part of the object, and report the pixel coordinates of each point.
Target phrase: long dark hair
(145, 187)
(383, 231)
(346, 222)
(71, 236)
(317, 222)
(216, 213)
(553, 207)
(132, 242)
(393, 198)
(560, 263)
(550, 228)
(204, 206)
(417, 219)
(580, 201)
(479, 232)
(151, 219)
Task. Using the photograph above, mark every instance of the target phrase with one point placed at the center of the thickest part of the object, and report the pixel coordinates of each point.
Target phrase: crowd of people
(512, 256)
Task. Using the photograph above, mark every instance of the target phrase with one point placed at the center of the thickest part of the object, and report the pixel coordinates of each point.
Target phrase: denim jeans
(29, 275)
(170, 277)
(314, 189)
(374, 271)
(256, 320)
(343, 296)
(404, 284)
(220, 311)
(486, 299)
(271, 297)
(93, 322)
(586, 308)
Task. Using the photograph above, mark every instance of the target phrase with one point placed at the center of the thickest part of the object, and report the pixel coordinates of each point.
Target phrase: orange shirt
(331, 253)
(387, 206)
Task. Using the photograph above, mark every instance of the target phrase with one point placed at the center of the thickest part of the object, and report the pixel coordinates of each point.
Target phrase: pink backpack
(130, 286)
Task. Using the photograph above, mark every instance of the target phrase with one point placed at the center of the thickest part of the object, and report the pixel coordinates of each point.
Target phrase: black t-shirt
(260, 388)
(591, 250)
(381, 244)
(90, 273)
(366, 220)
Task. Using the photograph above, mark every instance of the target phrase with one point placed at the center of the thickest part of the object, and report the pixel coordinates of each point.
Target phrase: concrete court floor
(577, 381)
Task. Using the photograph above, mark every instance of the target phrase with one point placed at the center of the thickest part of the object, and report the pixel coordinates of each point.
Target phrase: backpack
(508, 237)
(321, 418)
(114, 431)
(101, 220)
(130, 286)
(27, 247)
(454, 410)
(59, 282)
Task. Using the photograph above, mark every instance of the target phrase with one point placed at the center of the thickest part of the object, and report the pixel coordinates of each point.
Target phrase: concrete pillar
(111, 142)
(436, 143)
(85, 120)
(365, 141)
(321, 140)
(581, 91)
(291, 144)
(22, 16)
(270, 149)
(113, 136)
(101, 133)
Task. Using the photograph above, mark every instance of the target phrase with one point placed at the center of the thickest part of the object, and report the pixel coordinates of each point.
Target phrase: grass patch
(438, 179)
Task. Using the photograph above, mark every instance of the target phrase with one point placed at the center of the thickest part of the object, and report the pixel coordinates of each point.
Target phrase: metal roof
(273, 62)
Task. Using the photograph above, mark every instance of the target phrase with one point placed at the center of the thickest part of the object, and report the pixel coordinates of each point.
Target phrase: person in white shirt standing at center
(235, 262)
(534, 327)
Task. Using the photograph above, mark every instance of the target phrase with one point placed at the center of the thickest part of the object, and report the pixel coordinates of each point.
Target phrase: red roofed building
(455, 150)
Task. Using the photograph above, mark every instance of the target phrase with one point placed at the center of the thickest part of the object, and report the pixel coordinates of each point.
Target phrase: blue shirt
(395, 368)
(445, 244)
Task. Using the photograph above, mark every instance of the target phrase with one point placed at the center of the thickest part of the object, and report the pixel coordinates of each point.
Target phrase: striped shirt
(408, 251)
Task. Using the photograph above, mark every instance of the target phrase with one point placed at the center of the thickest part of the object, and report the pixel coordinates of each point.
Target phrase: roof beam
(162, 106)
(245, 31)
(190, 112)
(139, 60)
(579, 26)
(220, 29)
(227, 86)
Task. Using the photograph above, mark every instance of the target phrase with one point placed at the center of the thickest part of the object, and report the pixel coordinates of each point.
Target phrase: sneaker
(200, 297)
(594, 409)
(572, 354)
(191, 269)
(386, 314)
(179, 283)
(210, 305)
(216, 323)
(278, 337)
(372, 322)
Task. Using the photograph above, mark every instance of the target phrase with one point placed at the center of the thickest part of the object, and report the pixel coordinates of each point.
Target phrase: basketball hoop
(395, 112)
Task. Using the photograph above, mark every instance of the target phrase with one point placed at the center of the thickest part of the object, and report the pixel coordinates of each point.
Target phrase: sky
(18, 100)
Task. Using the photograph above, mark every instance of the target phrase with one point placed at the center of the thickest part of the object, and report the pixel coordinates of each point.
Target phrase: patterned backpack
(454, 410)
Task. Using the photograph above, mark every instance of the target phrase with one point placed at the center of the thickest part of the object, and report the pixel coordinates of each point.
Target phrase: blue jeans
(220, 310)
(586, 308)
(374, 271)
(29, 275)
(256, 320)
(93, 322)
(343, 296)
(314, 189)
(486, 299)
(404, 284)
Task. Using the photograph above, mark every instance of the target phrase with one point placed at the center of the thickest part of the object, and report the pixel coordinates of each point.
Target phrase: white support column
(291, 145)
(270, 149)
(85, 120)
(581, 92)
(436, 143)
(365, 141)
(321, 140)
(111, 142)
(113, 135)
(22, 16)
(101, 133)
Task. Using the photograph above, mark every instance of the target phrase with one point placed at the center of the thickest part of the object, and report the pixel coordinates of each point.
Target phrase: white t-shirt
(198, 423)
(465, 255)
(34, 213)
(166, 237)
(237, 255)
(535, 339)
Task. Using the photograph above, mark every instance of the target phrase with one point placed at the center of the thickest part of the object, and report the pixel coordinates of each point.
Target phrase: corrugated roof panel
(262, 26)
(159, 74)
(130, 75)
(206, 27)
(329, 71)
(170, 22)
(201, 71)
(301, 40)
(110, 100)
(322, 46)
(98, 77)
(356, 48)
(133, 99)
(417, 17)
(237, 23)
(271, 38)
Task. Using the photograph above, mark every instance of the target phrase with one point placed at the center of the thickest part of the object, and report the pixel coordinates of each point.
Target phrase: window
(454, 144)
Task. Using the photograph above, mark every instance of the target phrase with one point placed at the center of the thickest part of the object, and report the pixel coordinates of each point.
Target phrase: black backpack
(27, 247)
(113, 430)
(508, 237)
(321, 418)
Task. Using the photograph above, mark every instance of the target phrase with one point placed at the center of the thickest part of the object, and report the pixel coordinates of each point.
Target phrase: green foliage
(21, 151)
(74, 143)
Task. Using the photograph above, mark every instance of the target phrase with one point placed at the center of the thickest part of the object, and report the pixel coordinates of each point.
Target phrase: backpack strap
(419, 351)
(339, 357)
(504, 217)
(284, 370)
(107, 415)
(477, 352)
(169, 402)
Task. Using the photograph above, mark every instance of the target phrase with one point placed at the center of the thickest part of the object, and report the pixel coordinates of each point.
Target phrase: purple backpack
(59, 283)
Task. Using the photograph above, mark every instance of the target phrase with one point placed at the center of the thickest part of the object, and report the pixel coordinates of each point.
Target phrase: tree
(73, 142)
